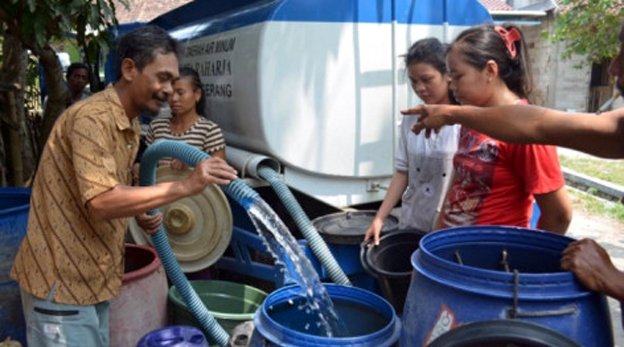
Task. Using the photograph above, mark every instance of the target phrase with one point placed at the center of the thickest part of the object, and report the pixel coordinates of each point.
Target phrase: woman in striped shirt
(187, 123)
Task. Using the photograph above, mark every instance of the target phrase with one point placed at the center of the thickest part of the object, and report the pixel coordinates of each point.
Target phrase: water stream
(286, 252)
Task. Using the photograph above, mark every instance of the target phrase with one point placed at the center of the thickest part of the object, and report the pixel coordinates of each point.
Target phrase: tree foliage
(33, 25)
(589, 28)
(38, 22)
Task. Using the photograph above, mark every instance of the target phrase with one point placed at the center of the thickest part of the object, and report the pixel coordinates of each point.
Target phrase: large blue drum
(471, 274)
(14, 205)
(283, 320)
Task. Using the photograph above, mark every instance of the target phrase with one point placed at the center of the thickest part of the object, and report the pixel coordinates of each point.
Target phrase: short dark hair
(142, 44)
(430, 51)
(76, 66)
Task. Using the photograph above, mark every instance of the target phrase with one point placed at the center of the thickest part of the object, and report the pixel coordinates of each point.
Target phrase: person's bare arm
(219, 153)
(437, 224)
(601, 135)
(128, 201)
(556, 211)
(593, 268)
(395, 191)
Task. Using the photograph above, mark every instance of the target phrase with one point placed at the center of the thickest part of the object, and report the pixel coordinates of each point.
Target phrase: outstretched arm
(601, 135)
(127, 201)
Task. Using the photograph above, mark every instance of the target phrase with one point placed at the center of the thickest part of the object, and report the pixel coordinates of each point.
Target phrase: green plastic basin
(230, 303)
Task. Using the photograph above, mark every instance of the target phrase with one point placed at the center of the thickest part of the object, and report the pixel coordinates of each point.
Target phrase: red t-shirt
(495, 181)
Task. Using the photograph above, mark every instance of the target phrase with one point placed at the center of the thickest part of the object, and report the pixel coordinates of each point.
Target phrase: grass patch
(609, 170)
(596, 206)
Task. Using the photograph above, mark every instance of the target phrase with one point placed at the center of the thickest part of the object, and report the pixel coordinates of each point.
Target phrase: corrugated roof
(496, 5)
(144, 10)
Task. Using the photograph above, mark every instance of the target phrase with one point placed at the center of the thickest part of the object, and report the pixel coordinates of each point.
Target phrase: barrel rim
(147, 269)
(7, 192)
(355, 235)
(563, 285)
(177, 300)
(371, 266)
(272, 330)
(488, 330)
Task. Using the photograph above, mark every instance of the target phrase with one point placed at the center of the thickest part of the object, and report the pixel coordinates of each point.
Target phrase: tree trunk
(29, 152)
(3, 148)
(16, 174)
(58, 94)
(17, 148)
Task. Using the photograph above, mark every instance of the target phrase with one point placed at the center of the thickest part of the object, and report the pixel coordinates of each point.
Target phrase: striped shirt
(204, 134)
(90, 151)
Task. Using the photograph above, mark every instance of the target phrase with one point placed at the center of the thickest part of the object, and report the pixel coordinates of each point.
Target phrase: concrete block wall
(572, 85)
(558, 83)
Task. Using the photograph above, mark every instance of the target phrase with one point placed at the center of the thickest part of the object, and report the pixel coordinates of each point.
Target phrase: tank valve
(375, 186)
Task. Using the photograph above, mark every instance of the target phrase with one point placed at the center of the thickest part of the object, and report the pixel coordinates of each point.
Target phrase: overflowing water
(284, 248)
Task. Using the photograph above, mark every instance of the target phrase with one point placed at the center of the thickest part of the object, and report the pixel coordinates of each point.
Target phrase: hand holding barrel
(593, 267)
(374, 230)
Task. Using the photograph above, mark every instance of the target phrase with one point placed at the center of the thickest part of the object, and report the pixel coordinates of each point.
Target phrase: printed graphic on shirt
(475, 163)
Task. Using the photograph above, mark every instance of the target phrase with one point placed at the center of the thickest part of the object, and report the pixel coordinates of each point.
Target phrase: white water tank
(315, 84)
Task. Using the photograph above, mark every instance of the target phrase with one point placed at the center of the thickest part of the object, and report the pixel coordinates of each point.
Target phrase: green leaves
(589, 27)
(37, 22)
(32, 5)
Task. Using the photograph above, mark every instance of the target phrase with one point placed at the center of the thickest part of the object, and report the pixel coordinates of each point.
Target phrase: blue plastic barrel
(369, 319)
(478, 273)
(174, 336)
(12, 323)
(14, 204)
(344, 232)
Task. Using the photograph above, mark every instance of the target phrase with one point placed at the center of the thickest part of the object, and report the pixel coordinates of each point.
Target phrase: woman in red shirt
(496, 182)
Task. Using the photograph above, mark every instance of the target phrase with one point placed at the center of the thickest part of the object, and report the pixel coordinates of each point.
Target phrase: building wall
(558, 83)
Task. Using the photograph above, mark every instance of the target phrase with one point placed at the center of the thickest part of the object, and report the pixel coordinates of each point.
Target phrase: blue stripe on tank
(213, 16)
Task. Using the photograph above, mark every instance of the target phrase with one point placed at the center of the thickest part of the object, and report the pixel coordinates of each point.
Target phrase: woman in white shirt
(423, 166)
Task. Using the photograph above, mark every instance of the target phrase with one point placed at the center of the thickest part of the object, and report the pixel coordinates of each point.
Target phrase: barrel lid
(349, 227)
(199, 227)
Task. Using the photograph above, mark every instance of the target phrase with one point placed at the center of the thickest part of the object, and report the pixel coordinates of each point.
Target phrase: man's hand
(431, 117)
(178, 165)
(591, 265)
(211, 170)
(149, 223)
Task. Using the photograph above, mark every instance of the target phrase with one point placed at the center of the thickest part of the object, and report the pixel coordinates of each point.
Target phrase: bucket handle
(363, 259)
(514, 312)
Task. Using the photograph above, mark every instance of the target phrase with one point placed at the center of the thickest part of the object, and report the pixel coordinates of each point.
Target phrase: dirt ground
(610, 234)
